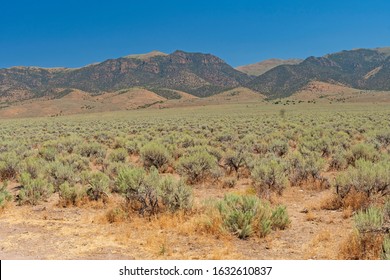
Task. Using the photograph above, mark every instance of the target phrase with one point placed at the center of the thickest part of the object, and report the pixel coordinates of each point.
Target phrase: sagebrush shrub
(33, 190)
(8, 166)
(369, 220)
(244, 215)
(338, 161)
(48, 153)
(197, 166)
(132, 147)
(278, 147)
(370, 239)
(366, 177)
(140, 189)
(302, 168)
(70, 194)
(5, 196)
(234, 160)
(268, 175)
(98, 186)
(32, 165)
(176, 195)
(386, 248)
(91, 149)
(279, 217)
(76, 162)
(154, 154)
(144, 192)
(238, 213)
(59, 173)
(118, 155)
(362, 151)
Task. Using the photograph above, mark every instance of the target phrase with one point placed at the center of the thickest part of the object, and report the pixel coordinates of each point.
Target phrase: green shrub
(48, 153)
(67, 144)
(238, 213)
(369, 220)
(364, 152)
(141, 190)
(8, 166)
(197, 166)
(386, 248)
(132, 147)
(111, 169)
(5, 196)
(279, 147)
(145, 191)
(32, 165)
(176, 195)
(268, 175)
(261, 147)
(386, 210)
(279, 217)
(154, 154)
(60, 173)
(226, 137)
(118, 155)
(265, 227)
(98, 186)
(384, 138)
(75, 161)
(70, 194)
(338, 161)
(244, 215)
(366, 177)
(216, 152)
(33, 190)
(91, 150)
(234, 160)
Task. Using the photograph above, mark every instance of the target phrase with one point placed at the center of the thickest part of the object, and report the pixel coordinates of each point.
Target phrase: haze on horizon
(74, 33)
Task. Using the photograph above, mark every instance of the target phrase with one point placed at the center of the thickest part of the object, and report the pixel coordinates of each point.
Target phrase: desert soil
(48, 231)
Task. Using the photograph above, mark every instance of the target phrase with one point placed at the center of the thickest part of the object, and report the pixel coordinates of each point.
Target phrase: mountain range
(259, 68)
(199, 75)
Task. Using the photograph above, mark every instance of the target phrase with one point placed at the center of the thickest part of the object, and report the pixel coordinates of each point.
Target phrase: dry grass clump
(116, 215)
(356, 200)
(361, 247)
(331, 202)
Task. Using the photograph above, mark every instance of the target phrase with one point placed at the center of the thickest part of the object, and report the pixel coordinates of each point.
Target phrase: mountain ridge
(350, 68)
(194, 73)
(198, 74)
(259, 68)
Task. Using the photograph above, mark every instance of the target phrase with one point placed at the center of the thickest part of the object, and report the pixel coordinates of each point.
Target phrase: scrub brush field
(244, 181)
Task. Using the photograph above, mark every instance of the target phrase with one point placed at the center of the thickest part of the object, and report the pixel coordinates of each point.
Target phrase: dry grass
(357, 246)
(331, 202)
(116, 215)
(347, 212)
(319, 248)
(356, 200)
(323, 236)
(312, 217)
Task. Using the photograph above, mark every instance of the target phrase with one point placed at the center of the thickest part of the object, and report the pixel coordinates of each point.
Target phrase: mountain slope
(194, 73)
(260, 68)
(361, 69)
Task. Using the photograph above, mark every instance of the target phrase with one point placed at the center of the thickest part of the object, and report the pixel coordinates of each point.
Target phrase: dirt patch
(50, 232)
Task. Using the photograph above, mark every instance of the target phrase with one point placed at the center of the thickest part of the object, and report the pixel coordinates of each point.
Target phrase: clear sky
(75, 33)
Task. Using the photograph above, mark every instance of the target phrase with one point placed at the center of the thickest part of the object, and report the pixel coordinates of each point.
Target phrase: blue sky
(75, 33)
